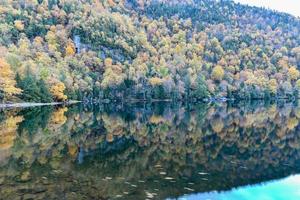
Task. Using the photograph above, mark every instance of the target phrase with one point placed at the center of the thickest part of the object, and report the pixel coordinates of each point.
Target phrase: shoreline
(129, 101)
(28, 104)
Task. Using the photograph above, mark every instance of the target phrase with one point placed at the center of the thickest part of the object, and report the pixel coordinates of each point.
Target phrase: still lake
(157, 151)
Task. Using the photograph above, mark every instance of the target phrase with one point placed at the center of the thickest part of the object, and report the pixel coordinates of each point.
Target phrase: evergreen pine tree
(44, 93)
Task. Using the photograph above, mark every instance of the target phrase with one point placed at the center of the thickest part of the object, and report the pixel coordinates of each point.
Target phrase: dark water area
(157, 151)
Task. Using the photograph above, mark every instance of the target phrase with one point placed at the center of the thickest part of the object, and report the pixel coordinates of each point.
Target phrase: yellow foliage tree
(52, 40)
(273, 86)
(7, 82)
(19, 25)
(70, 49)
(293, 73)
(113, 75)
(108, 62)
(57, 90)
(217, 125)
(38, 41)
(217, 73)
(156, 119)
(155, 81)
(292, 123)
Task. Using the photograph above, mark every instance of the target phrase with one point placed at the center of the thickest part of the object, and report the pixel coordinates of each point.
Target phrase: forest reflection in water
(145, 151)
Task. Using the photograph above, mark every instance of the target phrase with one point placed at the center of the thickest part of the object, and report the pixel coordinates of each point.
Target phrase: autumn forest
(60, 50)
(148, 99)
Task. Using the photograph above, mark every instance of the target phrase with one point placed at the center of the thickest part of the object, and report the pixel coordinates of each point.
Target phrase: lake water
(159, 151)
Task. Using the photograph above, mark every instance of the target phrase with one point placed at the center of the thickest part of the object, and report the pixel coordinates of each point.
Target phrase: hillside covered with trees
(55, 50)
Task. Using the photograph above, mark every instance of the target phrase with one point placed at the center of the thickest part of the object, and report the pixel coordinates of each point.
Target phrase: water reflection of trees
(104, 152)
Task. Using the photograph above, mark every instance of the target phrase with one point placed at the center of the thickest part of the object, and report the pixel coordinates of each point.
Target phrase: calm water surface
(160, 151)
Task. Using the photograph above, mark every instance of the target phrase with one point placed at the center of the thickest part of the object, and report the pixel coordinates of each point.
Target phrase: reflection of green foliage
(2, 116)
(164, 128)
(35, 118)
(116, 141)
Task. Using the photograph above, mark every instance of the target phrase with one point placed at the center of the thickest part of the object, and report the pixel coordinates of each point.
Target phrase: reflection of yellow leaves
(4, 156)
(156, 119)
(140, 132)
(25, 176)
(12, 122)
(272, 111)
(281, 133)
(217, 125)
(58, 117)
(231, 128)
(77, 117)
(294, 144)
(292, 123)
(114, 125)
(260, 118)
(8, 131)
(72, 150)
(297, 112)
(109, 138)
(42, 159)
(119, 131)
(248, 120)
(55, 163)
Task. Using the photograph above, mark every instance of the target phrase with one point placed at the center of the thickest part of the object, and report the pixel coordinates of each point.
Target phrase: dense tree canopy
(147, 49)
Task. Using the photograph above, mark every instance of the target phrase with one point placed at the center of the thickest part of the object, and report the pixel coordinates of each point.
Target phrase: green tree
(33, 90)
(29, 86)
(200, 91)
(45, 95)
